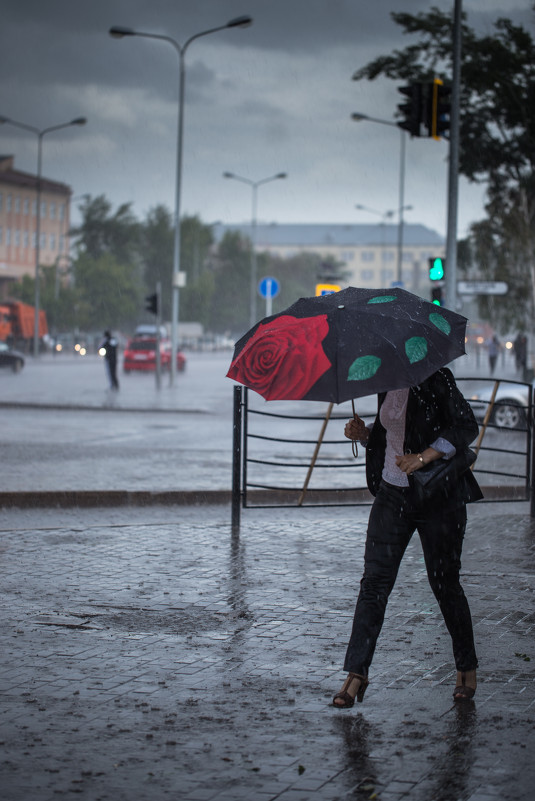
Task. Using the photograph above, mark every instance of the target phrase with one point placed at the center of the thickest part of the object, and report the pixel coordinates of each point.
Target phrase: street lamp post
(254, 185)
(118, 32)
(357, 117)
(40, 133)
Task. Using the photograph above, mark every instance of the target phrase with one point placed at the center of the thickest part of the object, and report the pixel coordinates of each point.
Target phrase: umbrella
(346, 345)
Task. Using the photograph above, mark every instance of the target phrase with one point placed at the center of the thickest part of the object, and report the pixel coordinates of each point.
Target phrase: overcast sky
(276, 96)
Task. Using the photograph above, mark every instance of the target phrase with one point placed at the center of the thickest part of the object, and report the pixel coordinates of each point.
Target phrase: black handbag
(440, 475)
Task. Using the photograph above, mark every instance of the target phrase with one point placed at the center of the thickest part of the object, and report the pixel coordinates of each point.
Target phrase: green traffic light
(437, 303)
(436, 269)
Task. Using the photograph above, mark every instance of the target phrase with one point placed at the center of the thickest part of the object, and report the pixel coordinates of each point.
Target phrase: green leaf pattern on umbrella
(365, 367)
(416, 349)
(440, 322)
(382, 299)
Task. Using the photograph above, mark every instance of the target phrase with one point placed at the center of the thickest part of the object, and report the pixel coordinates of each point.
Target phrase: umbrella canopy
(349, 344)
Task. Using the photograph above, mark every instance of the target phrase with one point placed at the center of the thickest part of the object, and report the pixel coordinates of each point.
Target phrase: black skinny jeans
(393, 519)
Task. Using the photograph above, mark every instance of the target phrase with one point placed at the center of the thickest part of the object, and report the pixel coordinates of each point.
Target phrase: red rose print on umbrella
(284, 358)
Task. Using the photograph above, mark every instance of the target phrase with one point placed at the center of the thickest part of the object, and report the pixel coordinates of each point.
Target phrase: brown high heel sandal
(346, 697)
(463, 692)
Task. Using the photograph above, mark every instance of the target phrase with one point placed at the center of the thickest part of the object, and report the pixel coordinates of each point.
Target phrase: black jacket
(435, 408)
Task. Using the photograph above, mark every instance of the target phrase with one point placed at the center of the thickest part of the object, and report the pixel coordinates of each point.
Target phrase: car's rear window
(145, 344)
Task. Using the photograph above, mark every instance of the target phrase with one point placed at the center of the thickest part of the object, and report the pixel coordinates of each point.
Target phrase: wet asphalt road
(150, 653)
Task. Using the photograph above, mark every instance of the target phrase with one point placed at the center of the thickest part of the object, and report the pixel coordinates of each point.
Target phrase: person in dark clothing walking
(414, 426)
(109, 345)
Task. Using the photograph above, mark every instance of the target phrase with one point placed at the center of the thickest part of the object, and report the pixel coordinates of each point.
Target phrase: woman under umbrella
(414, 426)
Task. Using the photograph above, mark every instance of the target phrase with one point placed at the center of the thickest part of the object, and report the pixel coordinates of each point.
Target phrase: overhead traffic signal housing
(413, 108)
(151, 303)
(436, 295)
(436, 268)
(438, 109)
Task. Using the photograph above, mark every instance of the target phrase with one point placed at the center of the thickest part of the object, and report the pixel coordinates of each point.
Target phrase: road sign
(482, 287)
(326, 289)
(399, 284)
(269, 287)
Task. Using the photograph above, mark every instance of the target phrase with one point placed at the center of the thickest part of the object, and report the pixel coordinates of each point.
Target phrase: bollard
(236, 460)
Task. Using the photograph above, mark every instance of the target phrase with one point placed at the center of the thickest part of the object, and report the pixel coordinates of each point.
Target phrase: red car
(140, 354)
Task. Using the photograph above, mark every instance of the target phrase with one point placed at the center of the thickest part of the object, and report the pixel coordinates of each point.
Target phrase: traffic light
(151, 303)
(413, 109)
(436, 295)
(436, 268)
(437, 117)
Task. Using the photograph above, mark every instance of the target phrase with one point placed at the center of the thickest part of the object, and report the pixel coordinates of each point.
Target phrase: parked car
(510, 405)
(11, 358)
(140, 354)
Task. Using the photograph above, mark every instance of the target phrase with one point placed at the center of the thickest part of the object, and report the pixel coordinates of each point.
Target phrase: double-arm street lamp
(118, 32)
(254, 185)
(40, 133)
(357, 117)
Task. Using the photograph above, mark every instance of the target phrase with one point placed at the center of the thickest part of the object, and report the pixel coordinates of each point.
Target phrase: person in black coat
(414, 426)
(109, 344)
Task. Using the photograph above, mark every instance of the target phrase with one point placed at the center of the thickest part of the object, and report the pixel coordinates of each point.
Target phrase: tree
(109, 293)
(497, 120)
(156, 253)
(102, 231)
(232, 269)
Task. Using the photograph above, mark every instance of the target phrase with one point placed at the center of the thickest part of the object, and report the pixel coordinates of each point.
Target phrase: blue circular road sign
(269, 287)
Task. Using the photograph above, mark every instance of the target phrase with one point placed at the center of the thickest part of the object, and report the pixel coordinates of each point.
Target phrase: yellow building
(368, 253)
(18, 218)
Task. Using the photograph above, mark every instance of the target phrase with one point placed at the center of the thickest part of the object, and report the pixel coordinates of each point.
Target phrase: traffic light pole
(453, 173)
(158, 335)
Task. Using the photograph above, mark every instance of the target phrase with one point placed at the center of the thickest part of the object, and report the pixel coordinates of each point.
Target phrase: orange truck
(17, 321)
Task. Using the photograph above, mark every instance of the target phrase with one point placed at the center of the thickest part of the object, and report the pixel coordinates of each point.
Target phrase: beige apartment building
(18, 218)
(368, 253)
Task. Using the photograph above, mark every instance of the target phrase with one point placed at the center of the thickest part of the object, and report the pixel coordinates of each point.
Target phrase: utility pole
(453, 173)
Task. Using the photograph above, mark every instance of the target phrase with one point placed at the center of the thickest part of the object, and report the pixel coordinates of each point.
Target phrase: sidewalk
(148, 654)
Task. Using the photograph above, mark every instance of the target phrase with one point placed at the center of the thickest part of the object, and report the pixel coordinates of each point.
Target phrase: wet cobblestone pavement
(149, 654)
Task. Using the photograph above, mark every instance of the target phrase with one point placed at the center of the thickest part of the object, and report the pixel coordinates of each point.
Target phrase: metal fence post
(530, 422)
(236, 459)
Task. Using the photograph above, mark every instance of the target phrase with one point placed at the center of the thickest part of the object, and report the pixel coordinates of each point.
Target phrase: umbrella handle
(354, 446)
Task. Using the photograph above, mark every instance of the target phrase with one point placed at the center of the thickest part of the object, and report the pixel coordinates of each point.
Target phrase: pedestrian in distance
(520, 346)
(109, 346)
(414, 426)
(493, 348)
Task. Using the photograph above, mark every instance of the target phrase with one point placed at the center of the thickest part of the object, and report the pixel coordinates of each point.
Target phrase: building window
(17, 205)
(43, 208)
(42, 240)
(34, 239)
(387, 276)
(348, 255)
(367, 255)
(62, 211)
(8, 236)
(52, 211)
(34, 208)
(52, 241)
(1, 235)
(17, 238)
(26, 206)
(408, 255)
(61, 244)
(8, 203)
(25, 239)
(388, 255)
(366, 275)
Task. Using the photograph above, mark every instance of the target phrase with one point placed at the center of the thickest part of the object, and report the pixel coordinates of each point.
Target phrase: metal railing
(280, 459)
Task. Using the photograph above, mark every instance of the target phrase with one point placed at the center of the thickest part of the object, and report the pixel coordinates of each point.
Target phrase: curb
(255, 498)
(75, 407)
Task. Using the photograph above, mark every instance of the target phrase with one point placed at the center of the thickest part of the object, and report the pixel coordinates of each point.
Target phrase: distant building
(369, 253)
(18, 217)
